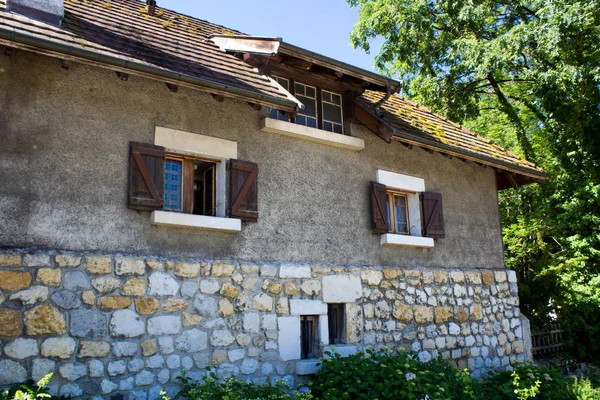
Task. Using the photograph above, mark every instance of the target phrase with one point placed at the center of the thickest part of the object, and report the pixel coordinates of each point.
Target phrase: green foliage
(212, 388)
(583, 390)
(389, 375)
(29, 391)
(525, 74)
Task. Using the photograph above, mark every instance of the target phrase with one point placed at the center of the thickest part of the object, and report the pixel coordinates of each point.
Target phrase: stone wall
(110, 323)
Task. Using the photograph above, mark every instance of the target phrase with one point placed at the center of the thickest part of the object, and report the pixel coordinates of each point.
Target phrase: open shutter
(433, 215)
(379, 208)
(146, 176)
(243, 190)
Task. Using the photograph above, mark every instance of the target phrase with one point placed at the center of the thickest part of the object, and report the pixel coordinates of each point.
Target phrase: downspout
(388, 93)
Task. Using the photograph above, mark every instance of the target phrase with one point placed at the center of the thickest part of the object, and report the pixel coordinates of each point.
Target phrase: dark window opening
(274, 113)
(335, 316)
(309, 328)
(190, 185)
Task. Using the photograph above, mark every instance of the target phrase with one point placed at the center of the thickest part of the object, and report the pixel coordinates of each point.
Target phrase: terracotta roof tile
(407, 117)
(168, 40)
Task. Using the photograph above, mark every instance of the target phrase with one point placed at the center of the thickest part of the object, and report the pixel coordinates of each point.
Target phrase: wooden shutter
(243, 190)
(379, 208)
(433, 215)
(146, 176)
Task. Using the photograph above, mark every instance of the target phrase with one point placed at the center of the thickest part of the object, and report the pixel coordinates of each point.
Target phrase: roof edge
(147, 70)
(536, 175)
(309, 55)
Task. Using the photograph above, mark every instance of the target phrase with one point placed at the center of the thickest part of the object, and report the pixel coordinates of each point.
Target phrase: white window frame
(412, 187)
(278, 79)
(335, 105)
(316, 117)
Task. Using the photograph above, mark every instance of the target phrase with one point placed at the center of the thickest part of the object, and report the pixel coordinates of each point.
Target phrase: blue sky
(322, 26)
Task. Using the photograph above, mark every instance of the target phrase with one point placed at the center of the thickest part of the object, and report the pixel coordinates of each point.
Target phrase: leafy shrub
(211, 388)
(390, 375)
(582, 390)
(29, 391)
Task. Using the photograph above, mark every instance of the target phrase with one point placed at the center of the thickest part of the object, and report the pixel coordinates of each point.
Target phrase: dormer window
(322, 108)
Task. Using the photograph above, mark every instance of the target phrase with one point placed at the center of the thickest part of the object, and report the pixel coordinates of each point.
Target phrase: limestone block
(21, 348)
(124, 349)
(190, 319)
(41, 367)
(162, 377)
(311, 287)
(164, 325)
(174, 305)
(44, 320)
(126, 323)
(236, 355)
(282, 307)
(134, 287)
(192, 341)
(147, 306)
(222, 269)
(269, 322)
(129, 266)
(457, 277)
(453, 329)
(95, 368)
(106, 284)
(135, 365)
(13, 281)
(243, 339)
(371, 277)
(229, 291)
(292, 289)
(221, 338)
(174, 361)
(144, 378)
(156, 361)
(251, 322)
(294, 271)
(461, 315)
(440, 277)
(354, 323)
(12, 372)
(413, 277)
(307, 307)
(500, 276)
(11, 259)
(162, 284)
(423, 314)
(443, 314)
(249, 268)
(250, 283)
(460, 290)
(70, 390)
(187, 270)
(275, 288)
(473, 277)
(49, 276)
(34, 294)
(2, 297)
(88, 349)
(488, 278)
(476, 312)
(149, 347)
(268, 270)
(226, 308)
(58, 347)
(209, 286)
(262, 302)
(249, 366)
(72, 371)
(289, 328)
(206, 305)
(67, 260)
(156, 265)
(76, 281)
(107, 386)
(219, 356)
(108, 303)
(98, 265)
(391, 272)
(369, 310)
(382, 310)
(10, 323)
(189, 289)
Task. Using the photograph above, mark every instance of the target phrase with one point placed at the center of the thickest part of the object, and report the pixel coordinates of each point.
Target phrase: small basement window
(335, 317)
(309, 339)
(397, 212)
(190, 185)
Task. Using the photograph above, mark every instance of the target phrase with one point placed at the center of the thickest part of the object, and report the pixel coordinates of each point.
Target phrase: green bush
(29, 391)
(583, 390)
(211, 388)
(390, 375)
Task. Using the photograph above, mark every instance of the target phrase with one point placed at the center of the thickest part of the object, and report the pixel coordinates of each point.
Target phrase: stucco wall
(64, 138)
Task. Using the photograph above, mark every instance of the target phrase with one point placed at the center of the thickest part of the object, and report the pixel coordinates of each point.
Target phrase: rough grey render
(64, 138)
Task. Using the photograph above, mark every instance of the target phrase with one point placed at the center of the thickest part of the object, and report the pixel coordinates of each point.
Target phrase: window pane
(327, 126)
(332, 113)
(338, 128)
(310, 92)
(389, 214)
(301, 119)
(336, 99)
(273, 113)
(173, 175)
(310, 106)
(283, 82)
(401, 215)
(299, 89)
(311, 122)
(326, 96)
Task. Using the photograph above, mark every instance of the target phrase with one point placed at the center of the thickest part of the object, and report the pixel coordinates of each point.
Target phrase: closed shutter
(146, 176)
(433, 215)
(379, 213)
(243, 190)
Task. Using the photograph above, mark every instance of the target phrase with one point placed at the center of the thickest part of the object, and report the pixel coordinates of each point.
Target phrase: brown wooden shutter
(146, 176)
(433, 215)
(243, 190)
(379, 208)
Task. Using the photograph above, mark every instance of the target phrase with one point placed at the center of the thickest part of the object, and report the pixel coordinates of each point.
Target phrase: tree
(526, 74)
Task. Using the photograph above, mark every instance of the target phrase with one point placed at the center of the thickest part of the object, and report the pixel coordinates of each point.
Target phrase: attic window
(308, 96)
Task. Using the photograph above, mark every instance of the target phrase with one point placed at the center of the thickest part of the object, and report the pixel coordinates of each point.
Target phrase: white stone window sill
(391, 239)
(311, 134)
(174, 219)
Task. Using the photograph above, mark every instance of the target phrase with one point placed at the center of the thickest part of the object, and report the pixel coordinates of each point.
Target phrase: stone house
(174, 193)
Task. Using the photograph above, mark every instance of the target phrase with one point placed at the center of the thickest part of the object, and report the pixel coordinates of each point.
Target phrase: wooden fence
(547, 342)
